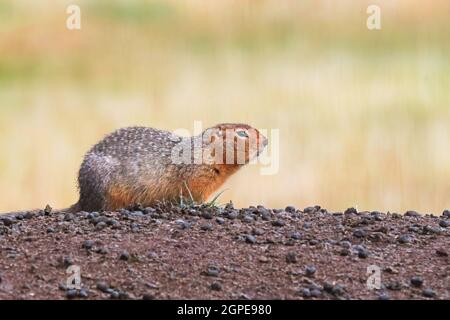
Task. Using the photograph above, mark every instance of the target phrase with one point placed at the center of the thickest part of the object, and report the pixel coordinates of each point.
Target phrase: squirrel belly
(135, 165)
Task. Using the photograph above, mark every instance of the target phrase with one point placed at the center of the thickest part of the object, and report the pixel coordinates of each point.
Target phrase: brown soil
(210, 253)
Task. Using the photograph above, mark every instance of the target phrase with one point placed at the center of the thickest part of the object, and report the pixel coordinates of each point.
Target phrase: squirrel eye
(242, 133)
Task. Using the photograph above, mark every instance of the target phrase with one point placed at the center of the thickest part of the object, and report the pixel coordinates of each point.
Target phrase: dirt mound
(212, 253)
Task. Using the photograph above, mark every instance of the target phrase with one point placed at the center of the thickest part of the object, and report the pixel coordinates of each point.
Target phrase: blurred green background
(364, 116)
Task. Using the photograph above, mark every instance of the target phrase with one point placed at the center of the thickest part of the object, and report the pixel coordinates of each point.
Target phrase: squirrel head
(232, 144)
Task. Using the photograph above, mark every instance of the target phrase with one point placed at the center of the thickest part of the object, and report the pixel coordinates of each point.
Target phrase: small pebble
(102, 286)
(220, 220)
(390, 270)
(316, 293)
(306, 293)
(124, 255)
(232, 215)
(102, 251)
(90, 216)
(152, 285)
(68, 217)
(310, 271)
(429, 293)
(137, 214)
(83, 293)
(327, 287)
(310, 210)
(266, 216)
(345, 244)
(363, 253)
(278, 223)
(215, 286)
(88, 244)
(416, 281)
(124, 295)
(444, 223)
(50, 230)
(61, 287)
(359, 233)
(412, 214)
(394, 285)
(207, 215)
(413, 229)
(206, 227)
(111, 222)
(152, 255)
(405, 238)
(296, 235)
(148, 296)
(183, 224)
(29, 215)
(351, 211)
(291, 257)
(338, 290)
(7, 221)
(290, 209)
(72, 293)
(384, 296)
(431, 230)
(213, 271)
(250, 239)
(148, 210)
(257, 231)
(100, 226)
(441, 252)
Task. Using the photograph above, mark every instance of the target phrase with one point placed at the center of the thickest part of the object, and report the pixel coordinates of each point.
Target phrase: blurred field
(364, 116)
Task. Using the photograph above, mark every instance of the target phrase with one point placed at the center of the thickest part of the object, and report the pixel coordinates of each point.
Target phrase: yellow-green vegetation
(364, 116)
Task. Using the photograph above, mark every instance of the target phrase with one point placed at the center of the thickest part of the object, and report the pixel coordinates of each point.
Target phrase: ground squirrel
(145, 165)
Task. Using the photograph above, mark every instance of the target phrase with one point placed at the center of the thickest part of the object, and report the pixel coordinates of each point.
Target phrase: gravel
(208, 253)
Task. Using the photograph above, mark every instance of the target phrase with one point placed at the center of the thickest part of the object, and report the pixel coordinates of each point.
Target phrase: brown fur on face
(224, 144)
